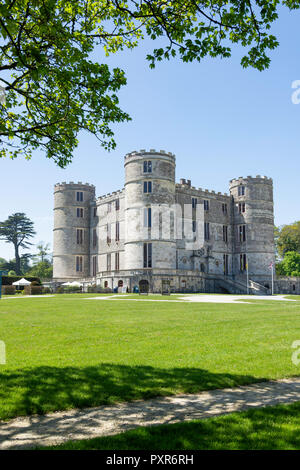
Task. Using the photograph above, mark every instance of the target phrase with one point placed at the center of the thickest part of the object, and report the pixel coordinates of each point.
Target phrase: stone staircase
(237, 286)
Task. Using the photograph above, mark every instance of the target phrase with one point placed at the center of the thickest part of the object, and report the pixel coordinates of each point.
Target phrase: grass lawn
(66, 352)
(268, 428)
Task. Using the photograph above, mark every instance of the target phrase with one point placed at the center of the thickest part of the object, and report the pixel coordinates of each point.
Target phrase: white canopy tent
(22, 282)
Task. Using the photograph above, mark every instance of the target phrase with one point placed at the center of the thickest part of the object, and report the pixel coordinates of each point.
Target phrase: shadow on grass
(46, 389)
(265, 428)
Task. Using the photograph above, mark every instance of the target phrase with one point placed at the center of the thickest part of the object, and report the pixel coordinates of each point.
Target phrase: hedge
(8, 290)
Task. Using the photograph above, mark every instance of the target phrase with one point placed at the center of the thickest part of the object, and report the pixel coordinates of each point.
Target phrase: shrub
(47, 290)
(36, 290)
(60, 290)
(35, 283)
(8, 290)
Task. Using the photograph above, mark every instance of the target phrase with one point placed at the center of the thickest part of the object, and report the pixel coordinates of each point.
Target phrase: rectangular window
(242, 207)
(147, 217)
(225, 264)
(147, 255)
(194, 202)
(117, 231)
(108, 228)
(225, 233)
(108, 262)
(206, 231)
(117, 204)
(79, 236)
(95, 211)
(79, 196)
(94, 237)
(241, 190)
(94, 265)
(243, 262)
(108, 207)
(206, 205)
(147, 166)
(147, 186)
(117, 261)
(224, 208)
(79, 212)
(242, 233)
(79, 263)
(194, 226)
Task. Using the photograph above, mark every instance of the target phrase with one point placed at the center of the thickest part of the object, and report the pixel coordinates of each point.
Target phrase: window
(242, 207)
(79, 196)
(225, 264)
(243, 262)
(206, 205)
(95, 211)
(79, 236)
(194, 202)
(194, 225)
(117, 231)
(242, 233)
(147, 166)
(108, 262)
(117, 204)
(225, 233)
(106, 284)
(94, 237)
(147, 217)
(120, 283)
(117, 261)
(147, 186)
(79, 263)
(206, 230)
(94, 265)
(224, 208)
(147, 255)
(241, 190)
(108, 228)
(108, 207)
(79, 212)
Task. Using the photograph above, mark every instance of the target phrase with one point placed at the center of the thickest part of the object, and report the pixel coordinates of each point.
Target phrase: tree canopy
(290, 265)
(52, 89)
(287, 238)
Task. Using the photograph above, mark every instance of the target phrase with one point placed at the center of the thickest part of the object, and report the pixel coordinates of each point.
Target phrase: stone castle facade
(155, 230)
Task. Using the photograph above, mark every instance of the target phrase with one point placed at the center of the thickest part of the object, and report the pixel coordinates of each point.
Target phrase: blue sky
(220, 120)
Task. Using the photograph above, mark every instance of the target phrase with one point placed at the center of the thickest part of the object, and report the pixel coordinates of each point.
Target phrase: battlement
(251, 179)
(145, 153)
(111, 196)
(185, 185)
(71, 185)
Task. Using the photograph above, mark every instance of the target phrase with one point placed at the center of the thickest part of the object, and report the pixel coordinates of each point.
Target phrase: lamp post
(4, 273)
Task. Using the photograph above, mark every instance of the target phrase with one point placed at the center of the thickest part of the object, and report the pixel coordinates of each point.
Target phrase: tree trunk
(18, 264)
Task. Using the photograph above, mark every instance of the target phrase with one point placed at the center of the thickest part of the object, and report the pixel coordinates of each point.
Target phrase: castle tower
(253, 226)
(71, 230)
(149, 197)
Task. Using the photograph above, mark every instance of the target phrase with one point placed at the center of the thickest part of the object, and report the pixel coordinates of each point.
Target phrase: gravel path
(55, 428)
(218, 298)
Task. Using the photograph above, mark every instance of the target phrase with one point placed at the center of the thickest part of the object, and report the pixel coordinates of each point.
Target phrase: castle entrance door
(144, 286)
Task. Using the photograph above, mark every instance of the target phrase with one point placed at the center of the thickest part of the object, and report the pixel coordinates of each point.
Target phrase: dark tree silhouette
(17, 229)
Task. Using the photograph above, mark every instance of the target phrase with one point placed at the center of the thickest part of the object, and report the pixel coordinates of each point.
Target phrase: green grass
(66, 352)
(260, 429)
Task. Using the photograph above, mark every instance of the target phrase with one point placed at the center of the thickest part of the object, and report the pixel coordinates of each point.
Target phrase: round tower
(149, 200)
(71, 237)
(253, 220)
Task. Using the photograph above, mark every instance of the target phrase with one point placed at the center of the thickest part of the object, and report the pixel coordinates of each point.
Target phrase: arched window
(105, 283)
(120, 283)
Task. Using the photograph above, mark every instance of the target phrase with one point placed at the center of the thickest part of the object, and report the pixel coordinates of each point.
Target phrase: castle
(156, 230)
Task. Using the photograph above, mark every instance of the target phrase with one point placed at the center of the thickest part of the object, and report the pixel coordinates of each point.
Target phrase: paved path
(214, 298)
(59, 427)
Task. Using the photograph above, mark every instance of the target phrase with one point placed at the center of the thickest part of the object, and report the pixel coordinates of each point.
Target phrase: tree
(287, 238)
(52, 89)
(43, 251)
(290, 265)
(17, 229)
(42, 270)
